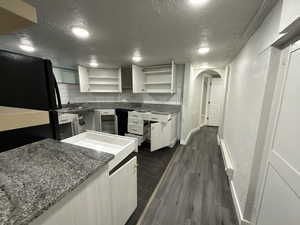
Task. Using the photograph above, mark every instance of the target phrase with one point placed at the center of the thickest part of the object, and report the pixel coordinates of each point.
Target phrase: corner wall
(246, 91)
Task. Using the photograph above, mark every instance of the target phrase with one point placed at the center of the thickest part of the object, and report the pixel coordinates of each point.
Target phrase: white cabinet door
(123, 183)
(173, 78)
(83, 79)
(88, 204)
(160, 135)
(280, 202)
(138, 79)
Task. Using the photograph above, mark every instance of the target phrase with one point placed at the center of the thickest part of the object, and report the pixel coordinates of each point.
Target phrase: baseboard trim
(237, 206)
(226, 157)
(186, 140)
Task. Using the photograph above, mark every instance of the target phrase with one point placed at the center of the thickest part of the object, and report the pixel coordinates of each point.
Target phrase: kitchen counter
(36, 176)
(82, 107)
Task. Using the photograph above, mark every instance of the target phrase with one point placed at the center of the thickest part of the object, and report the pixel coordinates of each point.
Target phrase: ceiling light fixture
(80, 32)
(198, 2)
(27, 48)
(203, 50)
(136, 58)
(94, 64)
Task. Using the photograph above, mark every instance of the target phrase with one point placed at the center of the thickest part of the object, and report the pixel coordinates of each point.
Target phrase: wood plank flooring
(195, 189)
(151, 166)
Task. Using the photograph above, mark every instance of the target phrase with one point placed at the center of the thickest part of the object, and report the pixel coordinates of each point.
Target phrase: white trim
(226, 157)
(237, 206)
(230, 171)
(186, 140)
(219, 140)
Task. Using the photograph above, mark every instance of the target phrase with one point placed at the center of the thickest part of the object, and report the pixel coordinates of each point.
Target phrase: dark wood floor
(151, 166)
(195, 189)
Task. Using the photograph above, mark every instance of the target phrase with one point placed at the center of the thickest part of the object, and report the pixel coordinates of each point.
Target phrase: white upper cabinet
(138, 79)
(154, 79)
(290, 14)
(100, 80)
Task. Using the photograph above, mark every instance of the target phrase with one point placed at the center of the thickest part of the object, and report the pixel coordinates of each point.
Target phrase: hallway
(195, 188)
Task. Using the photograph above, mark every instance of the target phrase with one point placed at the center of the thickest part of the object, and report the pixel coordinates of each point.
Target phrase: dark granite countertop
(35, 176)
(89, 106)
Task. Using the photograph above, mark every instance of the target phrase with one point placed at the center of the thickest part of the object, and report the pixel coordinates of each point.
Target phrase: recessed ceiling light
(27, 48)
(203, 50)
(198, 2)
(94, 64)
(80, 32)
(136, 58)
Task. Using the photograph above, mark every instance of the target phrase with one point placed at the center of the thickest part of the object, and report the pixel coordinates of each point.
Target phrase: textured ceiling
(160, 30)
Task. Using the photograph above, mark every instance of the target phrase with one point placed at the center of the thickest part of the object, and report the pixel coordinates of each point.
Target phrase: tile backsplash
(71, 93)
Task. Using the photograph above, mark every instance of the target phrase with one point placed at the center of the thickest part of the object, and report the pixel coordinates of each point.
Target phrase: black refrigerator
(28, 82)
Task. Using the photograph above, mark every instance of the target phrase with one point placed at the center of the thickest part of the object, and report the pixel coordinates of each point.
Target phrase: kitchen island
(37, 176)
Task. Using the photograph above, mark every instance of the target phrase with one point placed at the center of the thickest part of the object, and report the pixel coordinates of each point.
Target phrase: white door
(215, 103)
(280, 203)
(123, 183)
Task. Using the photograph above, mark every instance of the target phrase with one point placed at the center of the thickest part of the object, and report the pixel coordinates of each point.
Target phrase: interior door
(280, 203)
(216, 97)
(124, 192)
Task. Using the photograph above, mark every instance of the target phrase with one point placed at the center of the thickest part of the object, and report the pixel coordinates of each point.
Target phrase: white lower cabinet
(123, 183)
(88, 204)
(109, 196)
(163, 134)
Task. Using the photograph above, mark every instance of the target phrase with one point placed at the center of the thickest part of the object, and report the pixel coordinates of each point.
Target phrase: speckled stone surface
(88, 106)
(35, 176)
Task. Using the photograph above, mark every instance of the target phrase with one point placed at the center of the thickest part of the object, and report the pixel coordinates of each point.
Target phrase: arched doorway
(212, 97)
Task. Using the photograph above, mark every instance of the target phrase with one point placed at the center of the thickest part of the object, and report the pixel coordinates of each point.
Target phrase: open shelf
(157, 91)
(153, 72)
(153, 83)
(154, 79)
(104, 77)
(100, 80)
(103, 83)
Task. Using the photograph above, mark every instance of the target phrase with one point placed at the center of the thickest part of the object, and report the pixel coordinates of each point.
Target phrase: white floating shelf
(158, 91)
(103, 77)
(154, 72)
(103, 91)
(103, 83)
(158, 83)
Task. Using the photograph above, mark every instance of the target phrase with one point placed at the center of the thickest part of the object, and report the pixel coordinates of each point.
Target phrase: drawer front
(160, 118)
(135, 129)
(133, 120)
(107, 111)
(133, 114)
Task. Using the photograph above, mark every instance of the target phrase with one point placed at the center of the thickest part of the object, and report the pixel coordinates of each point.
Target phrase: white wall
(246, 92)
(71, 93)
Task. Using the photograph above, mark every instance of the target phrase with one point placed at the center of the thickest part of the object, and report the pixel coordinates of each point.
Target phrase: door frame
(273, 121)
(208, 93)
